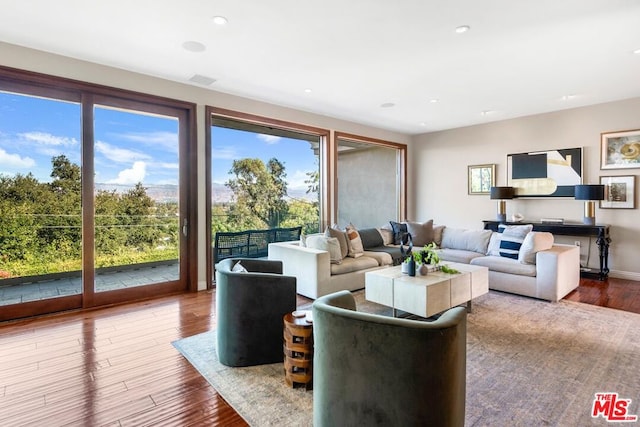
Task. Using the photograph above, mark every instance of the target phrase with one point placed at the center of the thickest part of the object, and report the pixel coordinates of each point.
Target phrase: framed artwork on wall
(481, 178)
(551, 173)
(619, 192)
(620, 150)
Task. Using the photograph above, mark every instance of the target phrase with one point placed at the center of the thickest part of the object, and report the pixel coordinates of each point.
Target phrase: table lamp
(501, 194)
(589, 193)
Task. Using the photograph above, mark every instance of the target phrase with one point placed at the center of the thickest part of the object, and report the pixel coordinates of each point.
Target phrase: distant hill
(169, 193)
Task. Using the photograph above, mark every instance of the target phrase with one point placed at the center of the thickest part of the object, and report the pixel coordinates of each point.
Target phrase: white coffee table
(426, 295)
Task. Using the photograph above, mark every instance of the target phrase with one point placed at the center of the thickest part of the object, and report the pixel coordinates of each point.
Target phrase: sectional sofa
(539, 268)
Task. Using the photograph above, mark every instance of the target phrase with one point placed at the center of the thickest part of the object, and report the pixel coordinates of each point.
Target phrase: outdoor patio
(105, 281)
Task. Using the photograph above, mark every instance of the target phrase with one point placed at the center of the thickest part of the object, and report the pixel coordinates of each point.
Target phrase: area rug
(529, 363)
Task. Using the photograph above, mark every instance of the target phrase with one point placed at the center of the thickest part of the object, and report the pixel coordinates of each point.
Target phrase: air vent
(202, 80)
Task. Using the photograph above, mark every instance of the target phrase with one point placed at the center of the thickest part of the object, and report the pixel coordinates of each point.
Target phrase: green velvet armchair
(249, 310)
(374, 370)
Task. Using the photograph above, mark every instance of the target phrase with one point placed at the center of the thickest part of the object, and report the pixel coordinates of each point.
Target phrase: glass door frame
(88, 94)
(325, 187)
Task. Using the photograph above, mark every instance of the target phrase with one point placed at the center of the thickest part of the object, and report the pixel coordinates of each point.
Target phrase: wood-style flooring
(116, 366)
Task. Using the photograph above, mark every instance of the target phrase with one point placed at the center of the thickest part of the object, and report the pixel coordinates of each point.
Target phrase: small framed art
(620, 150)
(619, 192)
(481, 178)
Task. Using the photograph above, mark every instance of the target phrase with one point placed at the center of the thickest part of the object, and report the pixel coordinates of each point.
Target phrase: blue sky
(230, 144)
(129, 147)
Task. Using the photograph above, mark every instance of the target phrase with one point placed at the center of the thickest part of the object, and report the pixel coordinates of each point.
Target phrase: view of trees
(41, 222)
(260, 192)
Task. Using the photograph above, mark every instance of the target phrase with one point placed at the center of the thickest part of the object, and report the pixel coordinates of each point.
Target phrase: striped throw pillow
(512, 238)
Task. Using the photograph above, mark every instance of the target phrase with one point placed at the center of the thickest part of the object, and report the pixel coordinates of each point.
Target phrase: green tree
(259, 190)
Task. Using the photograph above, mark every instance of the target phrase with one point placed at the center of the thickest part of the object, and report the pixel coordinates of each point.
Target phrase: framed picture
(481, 178)
(619, 192)
(620, 150)
(550, 173)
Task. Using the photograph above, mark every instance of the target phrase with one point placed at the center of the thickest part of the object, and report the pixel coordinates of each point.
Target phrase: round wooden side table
(298, 349)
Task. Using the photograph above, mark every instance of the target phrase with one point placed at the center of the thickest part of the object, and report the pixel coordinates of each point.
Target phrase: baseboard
(627, 275)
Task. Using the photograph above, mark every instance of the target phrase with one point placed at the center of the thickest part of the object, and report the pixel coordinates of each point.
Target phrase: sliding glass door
(94, 190)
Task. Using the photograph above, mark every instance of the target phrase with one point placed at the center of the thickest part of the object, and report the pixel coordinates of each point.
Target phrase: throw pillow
(512, 238)
(387, 234)
(399, 231)
(437, 234)
(534, 242)
(342, 239)
(239, 268)
(355, 243)
(329, 244)
(494, 244)
(371, 238)
(421, 232)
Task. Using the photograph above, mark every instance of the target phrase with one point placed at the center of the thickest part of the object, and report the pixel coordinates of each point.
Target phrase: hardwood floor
(116, 366)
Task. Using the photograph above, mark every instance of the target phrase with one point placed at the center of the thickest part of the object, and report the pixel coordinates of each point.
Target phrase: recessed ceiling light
(423, 124)
(307, 90)
(462, 29)
(220, 20)
(388, 105)
(193, 46)
(487, 112)
(637, 51)
(434, 101)
(568, 97)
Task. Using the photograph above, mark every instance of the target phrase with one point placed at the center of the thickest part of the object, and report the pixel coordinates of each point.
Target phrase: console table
(599, 231)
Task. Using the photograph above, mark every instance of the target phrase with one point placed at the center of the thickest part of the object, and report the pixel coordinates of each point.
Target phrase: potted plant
(429, 254)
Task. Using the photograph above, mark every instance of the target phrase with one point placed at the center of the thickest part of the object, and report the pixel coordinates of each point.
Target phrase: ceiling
(399, 66)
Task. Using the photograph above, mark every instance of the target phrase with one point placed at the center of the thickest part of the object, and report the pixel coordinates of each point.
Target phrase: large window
(93, 201)
(264, 173)
(370, 181)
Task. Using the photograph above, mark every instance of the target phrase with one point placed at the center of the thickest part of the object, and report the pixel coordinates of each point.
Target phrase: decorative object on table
(411, 271)
(620, 150)
(481, 178)
(517, 217)
(501, 194)
(406, 253)
(552, 173)
(589, 193)
(449, 270)
(619, 192)
(426, 259)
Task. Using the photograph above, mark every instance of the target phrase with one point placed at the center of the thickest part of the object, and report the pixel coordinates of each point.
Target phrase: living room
(437, 167)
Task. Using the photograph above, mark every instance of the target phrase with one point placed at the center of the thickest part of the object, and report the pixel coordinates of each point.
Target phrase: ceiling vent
(202, 80)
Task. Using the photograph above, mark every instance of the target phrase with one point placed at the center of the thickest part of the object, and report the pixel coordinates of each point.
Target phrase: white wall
(439, 161)
(33, 60)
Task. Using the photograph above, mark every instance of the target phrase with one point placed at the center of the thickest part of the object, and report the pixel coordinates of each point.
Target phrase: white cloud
(167, 140)
(296, 180)
(131, 176)
(269, 139)
(119, 155)
(223, 153)
(15, 161)
(48, 139)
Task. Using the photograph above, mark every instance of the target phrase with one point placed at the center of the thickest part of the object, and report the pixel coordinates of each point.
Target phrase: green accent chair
(373, 370)
(249, 309)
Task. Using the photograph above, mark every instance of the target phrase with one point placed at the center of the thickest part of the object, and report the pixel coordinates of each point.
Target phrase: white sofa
(317, 276)
(550, 273)
(543, 269)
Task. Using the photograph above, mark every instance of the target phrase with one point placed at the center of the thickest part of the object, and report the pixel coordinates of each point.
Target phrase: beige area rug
(529, 363)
